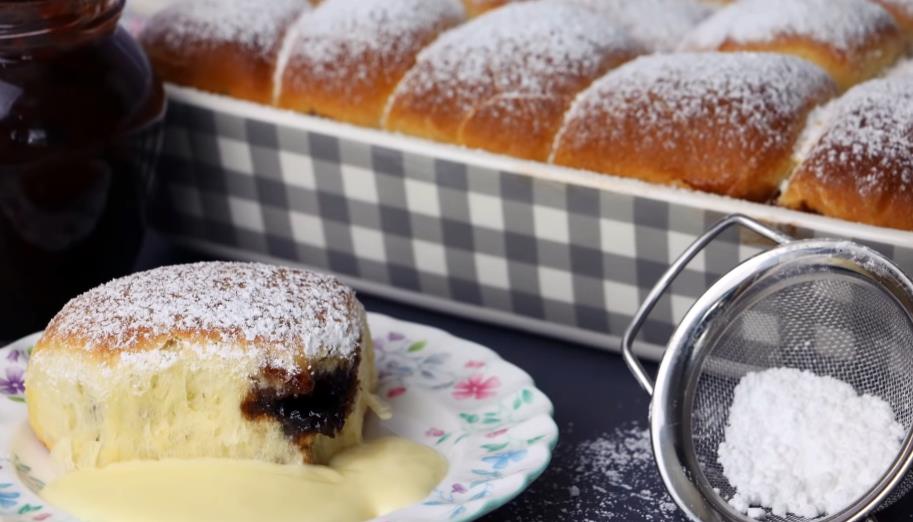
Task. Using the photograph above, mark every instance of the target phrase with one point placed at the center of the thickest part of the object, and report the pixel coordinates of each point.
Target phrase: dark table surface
(598, 408)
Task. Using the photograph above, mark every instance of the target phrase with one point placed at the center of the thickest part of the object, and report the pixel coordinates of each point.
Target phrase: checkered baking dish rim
(552, 250)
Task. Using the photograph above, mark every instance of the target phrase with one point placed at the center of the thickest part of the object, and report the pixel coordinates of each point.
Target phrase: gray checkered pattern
(505, 241)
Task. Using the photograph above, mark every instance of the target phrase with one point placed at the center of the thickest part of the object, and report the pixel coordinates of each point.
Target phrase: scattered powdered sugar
(745, 95)
(871, 135)
(388, 31)
(845, 25)
(243, 303)
(804, 444)
(624, 459)
(255, 24)
(659, 25)
(538, 48)
(610, 477)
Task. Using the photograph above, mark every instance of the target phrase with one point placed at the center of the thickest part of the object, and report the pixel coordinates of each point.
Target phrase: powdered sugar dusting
(388, 30)
(244, 303)
(804, 444)
(609, 477)
(528, 49)
(871, 135)
(624, 459)
(659, 25)
(743, 94)
(254, 24)
(845, 25)
(904, 7)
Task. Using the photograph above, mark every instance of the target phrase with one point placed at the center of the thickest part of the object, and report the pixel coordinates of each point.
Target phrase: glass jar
(80, 129)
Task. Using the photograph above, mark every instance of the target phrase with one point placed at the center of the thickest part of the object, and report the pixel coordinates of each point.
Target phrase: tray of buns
(540, 163)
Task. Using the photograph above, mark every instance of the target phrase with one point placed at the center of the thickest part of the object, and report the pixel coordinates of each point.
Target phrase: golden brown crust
(108, 352)
(902, 11)
(226, 69)
(503, 82)
(496, 124)
(477, 7)
(889, 206)
(723, 123)
(347, 56)
(218, 48)
(847, 70)
(861, 168)
(853, 40)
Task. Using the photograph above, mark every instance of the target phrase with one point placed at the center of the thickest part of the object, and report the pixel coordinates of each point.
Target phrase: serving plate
(483, 414)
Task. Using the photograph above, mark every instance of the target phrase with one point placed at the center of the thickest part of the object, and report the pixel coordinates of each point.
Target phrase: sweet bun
(476, 7)
(344, 58)
(861, 166)
(717, 122)
(852, 40)
(659, 25)
(902, 11)
(903, 69)
(203, 360)
(226, 47)
(503, 81)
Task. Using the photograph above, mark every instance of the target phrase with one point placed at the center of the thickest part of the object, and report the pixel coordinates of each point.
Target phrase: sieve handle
(627, 344)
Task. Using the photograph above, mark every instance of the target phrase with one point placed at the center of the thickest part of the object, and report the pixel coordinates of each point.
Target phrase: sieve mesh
(834, 324)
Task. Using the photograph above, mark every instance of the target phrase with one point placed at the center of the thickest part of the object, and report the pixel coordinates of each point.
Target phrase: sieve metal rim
(670, 451)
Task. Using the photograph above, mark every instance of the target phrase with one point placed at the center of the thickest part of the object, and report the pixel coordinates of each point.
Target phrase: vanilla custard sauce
(360, 483)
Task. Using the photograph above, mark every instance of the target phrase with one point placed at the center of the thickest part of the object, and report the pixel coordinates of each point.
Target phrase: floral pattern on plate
(483, 414)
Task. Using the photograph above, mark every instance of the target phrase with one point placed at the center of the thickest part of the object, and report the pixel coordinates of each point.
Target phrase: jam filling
(306, 403)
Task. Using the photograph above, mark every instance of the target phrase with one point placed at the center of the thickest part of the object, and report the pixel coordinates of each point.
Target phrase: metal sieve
(833, 307)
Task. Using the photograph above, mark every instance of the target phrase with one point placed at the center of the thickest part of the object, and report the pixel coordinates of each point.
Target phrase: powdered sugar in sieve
(799, 443)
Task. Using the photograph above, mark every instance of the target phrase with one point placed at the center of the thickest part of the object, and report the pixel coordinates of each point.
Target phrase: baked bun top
(845, 25)
(719, 122)
(344, 58)
(503, 80)
(292, 316)
(903, 69)
(256, 26)
(477, 7)
(659, 25)
(851, 39)
(861, 165)
(902, 11)
(224, 46)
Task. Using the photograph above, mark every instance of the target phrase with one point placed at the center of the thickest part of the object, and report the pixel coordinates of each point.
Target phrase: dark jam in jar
(80, 129)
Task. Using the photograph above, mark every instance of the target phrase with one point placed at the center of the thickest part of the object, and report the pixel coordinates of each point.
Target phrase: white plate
(483, 414)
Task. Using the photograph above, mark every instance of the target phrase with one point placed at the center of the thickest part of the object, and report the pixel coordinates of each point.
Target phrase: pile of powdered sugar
(804, 444)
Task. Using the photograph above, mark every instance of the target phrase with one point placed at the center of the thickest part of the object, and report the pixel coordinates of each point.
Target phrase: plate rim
(550, 443)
